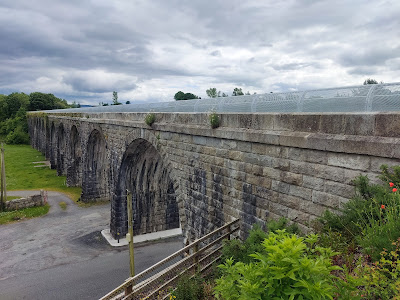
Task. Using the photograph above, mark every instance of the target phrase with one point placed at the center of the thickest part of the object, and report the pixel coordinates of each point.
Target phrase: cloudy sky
(146, 50)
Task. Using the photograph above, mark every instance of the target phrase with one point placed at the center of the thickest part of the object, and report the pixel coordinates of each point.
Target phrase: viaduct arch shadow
(53, 138)
(74, 169)
(60, 150)
(154, 202)
(95, 180)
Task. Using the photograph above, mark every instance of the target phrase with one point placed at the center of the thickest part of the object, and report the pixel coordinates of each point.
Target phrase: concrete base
(141, 238)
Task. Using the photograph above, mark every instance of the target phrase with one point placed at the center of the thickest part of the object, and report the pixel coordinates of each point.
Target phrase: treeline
(13, 108)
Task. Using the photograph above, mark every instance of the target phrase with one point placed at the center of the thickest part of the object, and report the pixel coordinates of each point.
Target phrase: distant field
(22, 175)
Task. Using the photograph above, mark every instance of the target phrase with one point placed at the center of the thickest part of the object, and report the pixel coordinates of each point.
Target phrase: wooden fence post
(129, 237)
(3, 179)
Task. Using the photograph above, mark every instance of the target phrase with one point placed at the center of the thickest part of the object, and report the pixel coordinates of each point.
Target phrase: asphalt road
(63, 255)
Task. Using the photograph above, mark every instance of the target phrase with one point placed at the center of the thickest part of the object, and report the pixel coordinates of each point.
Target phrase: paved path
(66, 247)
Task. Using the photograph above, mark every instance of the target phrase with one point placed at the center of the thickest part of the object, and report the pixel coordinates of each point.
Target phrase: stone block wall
(253, 167)
(31, 201)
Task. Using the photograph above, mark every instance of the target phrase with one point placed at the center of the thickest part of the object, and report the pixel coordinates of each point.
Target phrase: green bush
(382, 279)
(372, 217)
(214, 120)
(189, 288)
(18, 136)
(290, 267)
(379, 233)
(240, 251)
(150, 119)
(281, 224)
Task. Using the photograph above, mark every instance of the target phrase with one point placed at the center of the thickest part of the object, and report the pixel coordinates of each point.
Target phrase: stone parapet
(253, 167)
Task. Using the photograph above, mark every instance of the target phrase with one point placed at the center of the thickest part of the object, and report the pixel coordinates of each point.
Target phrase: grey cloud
(364, 71)
(84, 83)
(368, 57)
(56, 37)
(294, 66)
(216, 53)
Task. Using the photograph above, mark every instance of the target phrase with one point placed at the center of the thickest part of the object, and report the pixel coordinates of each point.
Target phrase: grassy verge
(9, 198)
(22, 175)
(26, 213)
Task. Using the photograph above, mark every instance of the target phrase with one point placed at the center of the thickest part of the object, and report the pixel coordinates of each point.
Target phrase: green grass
(22, 175)
(63, 205)
(26, 213)
(9, 198)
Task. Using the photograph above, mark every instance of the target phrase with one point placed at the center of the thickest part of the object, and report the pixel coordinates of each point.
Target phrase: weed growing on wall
(214, 120)
(150, 119)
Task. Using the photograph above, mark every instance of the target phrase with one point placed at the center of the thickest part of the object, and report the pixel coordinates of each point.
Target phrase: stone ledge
(30, 201)
(137, 239)
(364, 124)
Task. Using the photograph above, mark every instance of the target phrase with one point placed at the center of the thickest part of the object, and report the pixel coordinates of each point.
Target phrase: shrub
(290, 267)
(18, 136)
(372, 217)
(214, 120)
(240, 251)
(382, 279)
(379, 233)
(190, 288)
(282, 223)
(150, 119)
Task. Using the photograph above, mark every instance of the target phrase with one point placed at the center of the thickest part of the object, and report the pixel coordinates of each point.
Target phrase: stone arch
(60, 150)
(74, 169)
(95, 179)
(145, 172)
(52, 151)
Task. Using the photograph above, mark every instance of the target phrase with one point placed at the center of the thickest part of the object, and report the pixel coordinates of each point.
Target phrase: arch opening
(154, 201)
(74, 169)
(95, 179)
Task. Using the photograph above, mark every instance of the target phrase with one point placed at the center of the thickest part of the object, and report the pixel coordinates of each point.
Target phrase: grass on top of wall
(9, 198)
(21, 173)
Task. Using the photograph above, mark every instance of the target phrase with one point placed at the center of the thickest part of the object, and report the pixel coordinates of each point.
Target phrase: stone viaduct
(184, 173)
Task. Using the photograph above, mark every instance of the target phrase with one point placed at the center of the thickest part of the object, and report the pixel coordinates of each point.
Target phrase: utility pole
(129, 235)
(3, 197)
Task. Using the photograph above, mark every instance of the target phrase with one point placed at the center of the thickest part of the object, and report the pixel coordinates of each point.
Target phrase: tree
(75, 105)
(237, 92)
(14, 102)
(212, 93)
(115, 99)
(41, 101)
(370, 81)
(128, 102)
(184, 96)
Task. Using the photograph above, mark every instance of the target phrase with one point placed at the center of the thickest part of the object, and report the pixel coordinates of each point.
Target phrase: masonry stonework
(253, 167)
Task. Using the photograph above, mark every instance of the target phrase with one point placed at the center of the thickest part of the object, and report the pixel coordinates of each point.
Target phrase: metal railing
(157, 281)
